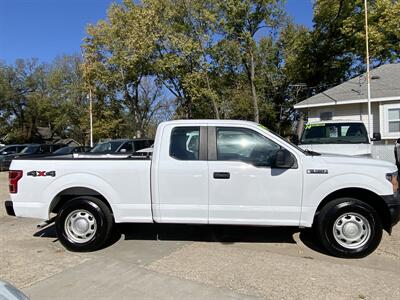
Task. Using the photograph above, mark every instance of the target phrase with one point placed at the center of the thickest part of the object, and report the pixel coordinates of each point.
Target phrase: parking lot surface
(197, 262)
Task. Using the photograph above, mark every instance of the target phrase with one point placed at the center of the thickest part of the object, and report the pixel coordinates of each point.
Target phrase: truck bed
(124, 181)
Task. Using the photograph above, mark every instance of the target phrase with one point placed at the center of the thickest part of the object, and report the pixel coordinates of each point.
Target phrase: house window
(389, 115)
(325, 116)
(394, 119)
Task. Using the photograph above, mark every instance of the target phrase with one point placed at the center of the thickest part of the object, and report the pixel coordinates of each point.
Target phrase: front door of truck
(244, 187)
(182, 176)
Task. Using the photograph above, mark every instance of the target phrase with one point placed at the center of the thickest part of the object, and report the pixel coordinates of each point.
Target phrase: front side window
(44, 149)
(241, 144)
(127, 147)
(30, 149)
(185, 143)
(64, 150)
(139, 145)
(111, 146)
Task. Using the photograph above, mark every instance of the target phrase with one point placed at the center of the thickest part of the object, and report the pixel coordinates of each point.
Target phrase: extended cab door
(245, 188)
(180, 175)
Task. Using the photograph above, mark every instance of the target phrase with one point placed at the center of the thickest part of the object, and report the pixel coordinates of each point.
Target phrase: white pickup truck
(211, 172)
(338, 137)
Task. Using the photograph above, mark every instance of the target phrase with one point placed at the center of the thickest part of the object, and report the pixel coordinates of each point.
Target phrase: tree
(241, 21)
(118, 59)
(23, 98)
(69, 110)
(187, 29)
(34, 95)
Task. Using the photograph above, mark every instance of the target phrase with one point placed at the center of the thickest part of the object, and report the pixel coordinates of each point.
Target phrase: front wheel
(84, 224)
(348, 227)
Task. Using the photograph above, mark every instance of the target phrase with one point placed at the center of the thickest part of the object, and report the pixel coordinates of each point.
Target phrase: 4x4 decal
(41, 173)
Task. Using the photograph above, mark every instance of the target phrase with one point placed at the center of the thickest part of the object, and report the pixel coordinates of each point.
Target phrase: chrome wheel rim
(351, 230)
(80, 226)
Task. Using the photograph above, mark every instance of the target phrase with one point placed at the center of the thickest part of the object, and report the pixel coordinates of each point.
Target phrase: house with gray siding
(348, 101)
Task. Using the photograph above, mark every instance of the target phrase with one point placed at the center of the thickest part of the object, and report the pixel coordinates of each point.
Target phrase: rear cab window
(185, 143)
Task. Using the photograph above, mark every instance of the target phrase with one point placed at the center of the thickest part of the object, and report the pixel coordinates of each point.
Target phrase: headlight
(392, 177)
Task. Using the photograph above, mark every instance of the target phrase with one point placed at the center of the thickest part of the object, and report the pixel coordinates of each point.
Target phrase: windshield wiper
(311, 153)
(348, 142)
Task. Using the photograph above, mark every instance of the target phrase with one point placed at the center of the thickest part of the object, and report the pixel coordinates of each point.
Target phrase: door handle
(222, 175)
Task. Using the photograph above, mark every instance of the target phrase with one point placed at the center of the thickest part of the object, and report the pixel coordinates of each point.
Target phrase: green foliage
(36, 95)
(118, 64)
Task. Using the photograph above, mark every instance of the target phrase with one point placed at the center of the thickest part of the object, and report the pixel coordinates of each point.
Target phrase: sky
(44, 29)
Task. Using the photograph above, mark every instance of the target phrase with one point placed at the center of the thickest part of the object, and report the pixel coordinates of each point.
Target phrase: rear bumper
(393, 204)
(9, 208)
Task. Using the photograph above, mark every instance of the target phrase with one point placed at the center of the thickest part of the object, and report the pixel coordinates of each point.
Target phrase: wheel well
(364, 195)
(74, 192)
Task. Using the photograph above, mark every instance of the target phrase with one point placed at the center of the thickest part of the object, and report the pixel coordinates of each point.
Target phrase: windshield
(334, 133)
(29, 150)
(111, 146)
(64, 150)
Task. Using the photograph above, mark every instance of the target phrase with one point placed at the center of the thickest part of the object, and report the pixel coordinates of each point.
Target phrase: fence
(383, 152)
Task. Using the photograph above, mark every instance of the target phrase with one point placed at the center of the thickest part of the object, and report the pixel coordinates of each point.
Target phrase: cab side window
(9, 150)
(241, 144)
(184, 143)
(127, 147)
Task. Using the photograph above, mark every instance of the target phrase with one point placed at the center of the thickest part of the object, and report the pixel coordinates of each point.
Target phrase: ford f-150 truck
(211, 172)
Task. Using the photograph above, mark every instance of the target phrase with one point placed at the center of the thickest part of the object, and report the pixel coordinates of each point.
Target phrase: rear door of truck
(180, 174)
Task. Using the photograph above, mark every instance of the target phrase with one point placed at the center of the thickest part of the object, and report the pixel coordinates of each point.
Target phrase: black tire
(90, 207)
(358, 215)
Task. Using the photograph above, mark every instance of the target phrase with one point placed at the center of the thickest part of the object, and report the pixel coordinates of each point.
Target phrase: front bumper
(393, 204)
(9, 208)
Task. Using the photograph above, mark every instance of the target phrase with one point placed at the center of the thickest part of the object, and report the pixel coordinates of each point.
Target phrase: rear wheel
(84, 224)
(348, 227)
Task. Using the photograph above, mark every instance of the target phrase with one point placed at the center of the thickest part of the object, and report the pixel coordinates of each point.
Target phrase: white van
(337, 137)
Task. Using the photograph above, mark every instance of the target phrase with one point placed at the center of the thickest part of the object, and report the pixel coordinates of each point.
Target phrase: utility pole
(368, 71)
(90, 117)
(90, 101)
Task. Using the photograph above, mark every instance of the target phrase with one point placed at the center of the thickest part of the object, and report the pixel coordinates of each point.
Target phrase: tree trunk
(212, 98)
(253, 89)
(300, 125)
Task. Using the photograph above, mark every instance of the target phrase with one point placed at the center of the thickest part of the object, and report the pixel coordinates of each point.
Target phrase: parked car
(337, 137)
(31, 150)
(6, 151)
(236, 172)
(39, 149)
(122, 146)
(72, 149)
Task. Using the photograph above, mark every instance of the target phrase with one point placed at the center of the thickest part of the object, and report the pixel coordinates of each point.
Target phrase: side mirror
(4, 153)
(376, 137)
(122, 150)
(284, 159)
(398, 141)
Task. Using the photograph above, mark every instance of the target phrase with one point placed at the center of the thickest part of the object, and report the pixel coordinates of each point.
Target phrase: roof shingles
(385, 83)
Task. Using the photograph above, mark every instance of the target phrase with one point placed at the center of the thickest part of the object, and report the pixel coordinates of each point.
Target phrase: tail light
(13, 177)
